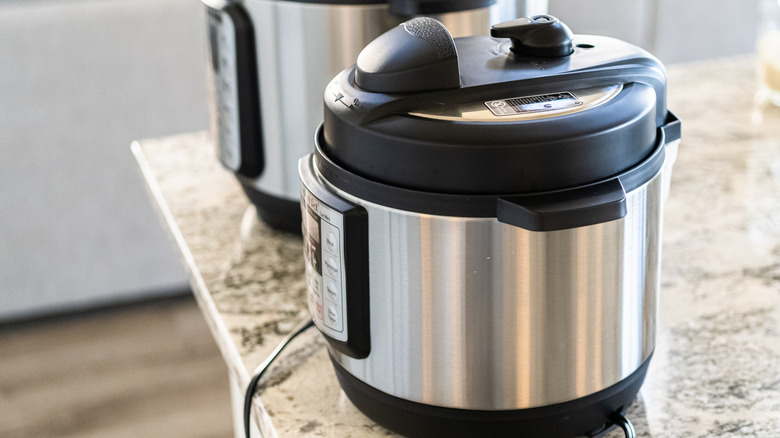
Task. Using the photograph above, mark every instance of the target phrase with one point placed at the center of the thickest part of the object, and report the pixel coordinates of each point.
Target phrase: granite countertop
(716, 368)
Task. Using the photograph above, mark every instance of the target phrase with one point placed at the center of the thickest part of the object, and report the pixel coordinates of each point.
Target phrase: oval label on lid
(527, 104)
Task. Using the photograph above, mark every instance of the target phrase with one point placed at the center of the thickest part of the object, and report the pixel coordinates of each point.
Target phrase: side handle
(672, 128)
(602, 202)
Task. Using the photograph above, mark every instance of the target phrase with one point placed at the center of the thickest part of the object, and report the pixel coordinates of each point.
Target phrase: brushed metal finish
(468, 23)
(475, 314)
(301, 47)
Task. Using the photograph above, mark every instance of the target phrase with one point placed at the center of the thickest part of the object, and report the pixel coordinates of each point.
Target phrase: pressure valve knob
(542, 36)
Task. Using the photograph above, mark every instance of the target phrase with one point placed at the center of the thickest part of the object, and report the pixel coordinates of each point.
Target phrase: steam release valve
(542, 36)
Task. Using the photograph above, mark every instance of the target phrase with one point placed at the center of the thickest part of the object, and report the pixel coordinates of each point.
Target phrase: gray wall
(79, 80)
(673, 30)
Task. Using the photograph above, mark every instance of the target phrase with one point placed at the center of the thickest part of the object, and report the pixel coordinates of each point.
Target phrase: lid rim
(502, 157)
(464, 205)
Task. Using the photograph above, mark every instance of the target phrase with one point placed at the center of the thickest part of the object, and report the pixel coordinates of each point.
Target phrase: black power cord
(618, 419)
(260, 370)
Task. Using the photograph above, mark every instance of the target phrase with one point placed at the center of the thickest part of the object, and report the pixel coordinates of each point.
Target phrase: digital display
(312, 246)
(526, 104)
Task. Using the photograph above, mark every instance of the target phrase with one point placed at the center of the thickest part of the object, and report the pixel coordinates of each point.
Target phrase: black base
(281, 214)
(586, 416)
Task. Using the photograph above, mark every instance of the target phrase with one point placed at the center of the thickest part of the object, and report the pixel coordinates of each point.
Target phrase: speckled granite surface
(716, 369)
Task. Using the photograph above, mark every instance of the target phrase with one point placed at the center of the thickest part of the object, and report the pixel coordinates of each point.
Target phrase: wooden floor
(140, 371)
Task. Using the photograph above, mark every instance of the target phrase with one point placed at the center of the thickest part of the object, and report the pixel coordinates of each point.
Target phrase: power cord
(622, 422)
(260, 370)
(616, 418)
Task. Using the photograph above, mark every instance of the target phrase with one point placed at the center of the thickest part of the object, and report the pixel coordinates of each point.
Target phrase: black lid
(510, 123)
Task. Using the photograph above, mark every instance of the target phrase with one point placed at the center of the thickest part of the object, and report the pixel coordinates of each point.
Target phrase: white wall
(79, 80)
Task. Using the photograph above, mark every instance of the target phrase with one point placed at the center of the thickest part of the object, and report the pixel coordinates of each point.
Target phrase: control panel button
(330, 236)
(332, 290)
(333, 317)
(332, 266)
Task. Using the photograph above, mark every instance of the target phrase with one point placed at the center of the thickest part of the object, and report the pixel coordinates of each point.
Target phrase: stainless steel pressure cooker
(270, 60)
(482, 227)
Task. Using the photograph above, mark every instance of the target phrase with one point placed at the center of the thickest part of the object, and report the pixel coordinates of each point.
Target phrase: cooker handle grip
(579, 207)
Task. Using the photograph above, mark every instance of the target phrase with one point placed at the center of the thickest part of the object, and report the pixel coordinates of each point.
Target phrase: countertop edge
(219, 331)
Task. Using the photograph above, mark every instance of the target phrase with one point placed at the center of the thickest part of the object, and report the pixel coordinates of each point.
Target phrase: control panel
(235, 114)
(324, 266)
(335, 233)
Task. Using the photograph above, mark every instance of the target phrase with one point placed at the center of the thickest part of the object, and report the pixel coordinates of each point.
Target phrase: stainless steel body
(472, 313)
(300, 47)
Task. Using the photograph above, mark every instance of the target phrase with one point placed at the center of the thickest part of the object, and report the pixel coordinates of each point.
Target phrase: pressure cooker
(270, 60)
(482, 224)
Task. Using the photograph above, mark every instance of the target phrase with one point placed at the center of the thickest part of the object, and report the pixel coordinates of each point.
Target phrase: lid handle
(417, 55)
(542, 36)
(577, 207)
